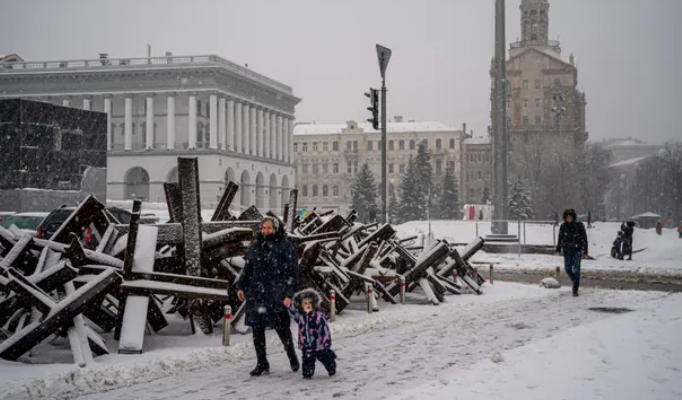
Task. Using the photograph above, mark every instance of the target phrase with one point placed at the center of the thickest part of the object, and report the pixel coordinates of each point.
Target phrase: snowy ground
(395, 351)
(661, 257)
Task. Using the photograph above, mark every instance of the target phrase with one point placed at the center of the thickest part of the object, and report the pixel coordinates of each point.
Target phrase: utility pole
(383, 55)
(500, 138)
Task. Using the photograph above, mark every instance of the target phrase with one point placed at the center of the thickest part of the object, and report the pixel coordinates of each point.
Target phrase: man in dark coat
(573, 242)
(268, 283)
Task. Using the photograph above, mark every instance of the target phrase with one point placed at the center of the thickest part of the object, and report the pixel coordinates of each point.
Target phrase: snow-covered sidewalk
(633, 356)
(385, 362)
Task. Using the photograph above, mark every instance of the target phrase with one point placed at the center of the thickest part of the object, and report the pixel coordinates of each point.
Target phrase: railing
(153, 62)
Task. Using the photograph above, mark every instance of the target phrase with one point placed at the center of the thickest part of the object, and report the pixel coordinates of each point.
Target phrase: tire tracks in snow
(378, 364)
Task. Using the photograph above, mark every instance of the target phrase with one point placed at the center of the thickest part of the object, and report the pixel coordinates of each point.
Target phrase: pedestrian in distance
(573, 244)
(628, 229)
(267, 284)
(659, 228)
(589, 220)
(617, 248)
(314, 333)
(679, 230)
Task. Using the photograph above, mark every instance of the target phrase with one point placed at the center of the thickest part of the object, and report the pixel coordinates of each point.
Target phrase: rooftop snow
(477, 140)
(627, 162)
(392, 127)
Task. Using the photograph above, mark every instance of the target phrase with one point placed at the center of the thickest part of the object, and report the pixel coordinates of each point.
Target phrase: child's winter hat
(308, 294)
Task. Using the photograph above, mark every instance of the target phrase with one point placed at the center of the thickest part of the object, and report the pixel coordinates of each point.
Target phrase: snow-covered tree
(412, 199)
(449, 207)
(364, 193)
(519, 203)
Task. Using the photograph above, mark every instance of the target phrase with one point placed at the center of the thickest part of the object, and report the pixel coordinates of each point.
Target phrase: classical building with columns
(237, 122)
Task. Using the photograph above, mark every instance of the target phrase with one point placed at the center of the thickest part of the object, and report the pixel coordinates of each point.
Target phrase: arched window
(305, 190)
(335, 191)
(401, 145)
(412, 144)
(314, 190)
(325, 191)
(439, 144)
(452, 143)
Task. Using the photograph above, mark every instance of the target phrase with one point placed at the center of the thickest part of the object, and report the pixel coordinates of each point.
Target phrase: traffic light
(373, 95)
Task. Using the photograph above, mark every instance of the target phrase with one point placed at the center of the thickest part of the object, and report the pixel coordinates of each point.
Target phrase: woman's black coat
(269, 276)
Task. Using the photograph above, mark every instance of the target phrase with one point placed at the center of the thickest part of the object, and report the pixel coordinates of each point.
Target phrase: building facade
(238, 123)
(328, 157)
(477, 169)
(545, 109)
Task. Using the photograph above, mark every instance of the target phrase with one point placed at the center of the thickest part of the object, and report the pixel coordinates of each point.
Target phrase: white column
(230, 125)
(266, 134)
(290, 150)
(285, 139)
(254, 136)
(87, 104)
(66, 102)
(222, 123)
(238, 128)
(107, 111)
(149, 124)
(246, 129)
(279, 138)
(128, 124)
(273, 136)
(192, 126)
(213, 122)
(170, 122)
(259, 130)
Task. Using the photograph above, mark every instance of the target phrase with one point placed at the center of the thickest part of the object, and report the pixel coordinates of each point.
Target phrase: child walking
(314, 334)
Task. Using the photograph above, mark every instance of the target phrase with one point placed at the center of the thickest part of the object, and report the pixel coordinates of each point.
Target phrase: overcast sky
(628, 51)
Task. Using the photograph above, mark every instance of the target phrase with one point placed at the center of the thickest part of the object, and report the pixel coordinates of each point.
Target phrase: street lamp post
(383, 55)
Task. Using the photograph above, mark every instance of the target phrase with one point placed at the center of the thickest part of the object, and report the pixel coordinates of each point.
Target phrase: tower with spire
(545, 111)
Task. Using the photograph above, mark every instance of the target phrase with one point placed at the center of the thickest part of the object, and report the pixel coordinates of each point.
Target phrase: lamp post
(383, 55)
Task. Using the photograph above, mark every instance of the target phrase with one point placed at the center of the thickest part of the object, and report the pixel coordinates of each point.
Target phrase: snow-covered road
(380, 364)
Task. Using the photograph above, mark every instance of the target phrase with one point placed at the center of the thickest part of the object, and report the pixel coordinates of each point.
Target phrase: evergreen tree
(364, 193)
(393, 210)
(486, 196)
(412, 202)
(519, 203)
(449, 206)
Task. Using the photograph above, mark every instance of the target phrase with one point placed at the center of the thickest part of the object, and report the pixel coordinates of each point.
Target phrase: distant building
(477, 169)
(328, 157)
(628, 150)
(237, 122)
(545, 109)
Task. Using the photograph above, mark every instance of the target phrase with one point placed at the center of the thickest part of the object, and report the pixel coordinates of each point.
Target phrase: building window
(439, 144)
(537, 103)
(335, 168)
(315, 168)
(349, 164)
(390, 168)
(439, 167)
(355, 167)
(335, 146)
(305, 147)
(314, 146)
(451, 165)
(478, 157)
(452, 143)
(480, 176)
(349, 146)
(412, 144)
(390, 145)
(401, 145)
(508, 104)
(335, 191)
(325, 191)
(525, 120)
(305, 190)
(370, 146)
(509, 122)
(295, 147)
(525, 104)
(557, 82)
(314, 190)
(325, 146)
(379, 144)
(355, 146)
(538, 84)
(509, 87)
(538, 121)
(402, 168)
(304, 167)
(525, 83)
(325, 168)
